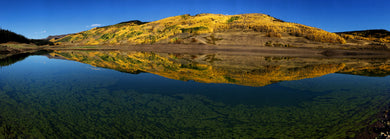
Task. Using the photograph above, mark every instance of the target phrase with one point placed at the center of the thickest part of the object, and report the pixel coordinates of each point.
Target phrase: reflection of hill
(374, 70)
(9, 59)
(241, 70)
(12, 59)
(259, 71)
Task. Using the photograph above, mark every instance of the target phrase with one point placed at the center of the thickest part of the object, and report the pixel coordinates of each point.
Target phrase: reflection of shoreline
(12, 58)
(223, 68)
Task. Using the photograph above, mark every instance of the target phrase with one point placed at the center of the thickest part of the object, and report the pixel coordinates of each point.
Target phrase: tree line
(9, 36)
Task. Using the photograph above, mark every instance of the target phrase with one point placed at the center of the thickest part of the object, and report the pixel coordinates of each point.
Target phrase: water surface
(140, 94)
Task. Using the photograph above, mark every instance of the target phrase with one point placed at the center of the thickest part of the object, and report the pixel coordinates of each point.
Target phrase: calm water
(185, 96)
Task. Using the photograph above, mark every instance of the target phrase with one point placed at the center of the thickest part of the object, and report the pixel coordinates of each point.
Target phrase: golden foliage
(274, 34)
(373, 70)
(165, 30)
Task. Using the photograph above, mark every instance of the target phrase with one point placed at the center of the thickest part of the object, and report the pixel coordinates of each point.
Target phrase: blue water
(42, 97)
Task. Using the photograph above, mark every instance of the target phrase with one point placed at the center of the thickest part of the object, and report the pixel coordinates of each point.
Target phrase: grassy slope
(199, 28)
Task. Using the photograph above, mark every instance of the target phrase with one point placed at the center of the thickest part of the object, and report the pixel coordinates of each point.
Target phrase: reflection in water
(12, 59)
(213, 68)
(6, 60)
(66, 99)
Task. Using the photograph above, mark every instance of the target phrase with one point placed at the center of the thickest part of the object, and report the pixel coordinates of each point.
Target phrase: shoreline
(238, 50)
(7, 51)
(216, 49)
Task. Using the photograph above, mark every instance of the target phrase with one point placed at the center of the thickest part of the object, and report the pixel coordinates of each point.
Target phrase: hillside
(216, 29)
(378, 35)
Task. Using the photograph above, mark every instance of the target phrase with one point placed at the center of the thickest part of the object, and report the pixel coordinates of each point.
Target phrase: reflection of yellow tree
(275, 75)
(171, 67)
(372, 70)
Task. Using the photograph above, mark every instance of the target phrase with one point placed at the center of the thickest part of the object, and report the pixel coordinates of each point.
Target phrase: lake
(122, 94)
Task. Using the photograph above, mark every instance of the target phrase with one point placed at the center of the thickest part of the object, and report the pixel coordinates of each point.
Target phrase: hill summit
(216, 29)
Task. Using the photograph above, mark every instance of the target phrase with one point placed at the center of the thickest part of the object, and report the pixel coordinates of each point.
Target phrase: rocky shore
(382, 126)
(378, 127)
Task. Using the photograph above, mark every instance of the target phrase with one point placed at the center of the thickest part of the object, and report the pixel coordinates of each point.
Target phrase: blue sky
(41, 18)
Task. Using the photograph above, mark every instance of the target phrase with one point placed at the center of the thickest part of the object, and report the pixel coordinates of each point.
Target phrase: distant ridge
(377, 33)
(55, 37)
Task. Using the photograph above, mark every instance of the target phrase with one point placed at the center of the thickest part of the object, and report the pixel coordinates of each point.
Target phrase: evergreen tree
(8, 36)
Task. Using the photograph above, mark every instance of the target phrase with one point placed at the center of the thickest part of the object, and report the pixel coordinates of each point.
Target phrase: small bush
(193, 30)
(268, 43)
(185, 17)
(152, 39)
(107, 36)
(233, 19)
(176, 40)
(274, 34)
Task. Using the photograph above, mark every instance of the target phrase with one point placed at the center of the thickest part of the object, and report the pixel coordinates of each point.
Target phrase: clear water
(45, 97)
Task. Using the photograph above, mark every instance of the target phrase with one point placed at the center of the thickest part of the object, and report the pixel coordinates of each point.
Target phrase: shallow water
(181, 95)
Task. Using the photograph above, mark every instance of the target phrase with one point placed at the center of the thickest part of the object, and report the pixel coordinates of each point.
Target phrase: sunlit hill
(243, 29)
